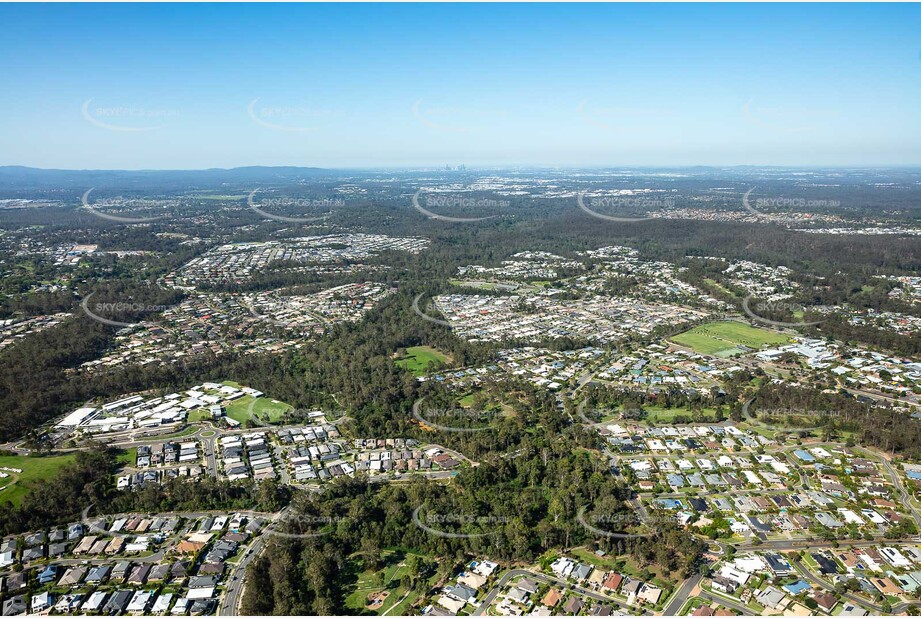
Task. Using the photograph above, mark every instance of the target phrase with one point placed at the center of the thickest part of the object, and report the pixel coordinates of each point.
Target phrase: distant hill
(18, 177)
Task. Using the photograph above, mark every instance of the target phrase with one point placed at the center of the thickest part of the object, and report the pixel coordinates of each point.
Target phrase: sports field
(724, 338)
(265, 409)
(16, 484)
(418, 358)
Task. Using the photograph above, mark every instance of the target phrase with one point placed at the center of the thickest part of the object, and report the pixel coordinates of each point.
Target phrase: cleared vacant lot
(724, 338)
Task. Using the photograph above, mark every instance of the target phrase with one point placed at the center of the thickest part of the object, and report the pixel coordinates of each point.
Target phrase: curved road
(547, 579)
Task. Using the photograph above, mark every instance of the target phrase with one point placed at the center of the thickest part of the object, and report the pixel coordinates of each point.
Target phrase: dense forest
(890, 430)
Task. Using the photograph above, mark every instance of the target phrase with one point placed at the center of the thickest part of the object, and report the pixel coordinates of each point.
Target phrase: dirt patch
(376, 599)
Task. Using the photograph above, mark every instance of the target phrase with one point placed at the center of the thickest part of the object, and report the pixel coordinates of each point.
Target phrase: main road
(229, 605)
(681, 596)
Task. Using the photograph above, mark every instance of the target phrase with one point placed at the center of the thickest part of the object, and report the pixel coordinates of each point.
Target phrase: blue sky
(195, 86)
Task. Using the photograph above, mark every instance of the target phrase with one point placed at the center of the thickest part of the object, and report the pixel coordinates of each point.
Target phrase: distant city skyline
(487, 86)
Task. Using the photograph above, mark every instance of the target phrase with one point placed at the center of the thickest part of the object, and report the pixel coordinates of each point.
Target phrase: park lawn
(367, 583)
(33, 469)
(724, 337)
(719, 286)
(658, 414)
(500, 407)
(480, 285)
(764, 431)
(265, 409)
(586, 555)
(418, 358)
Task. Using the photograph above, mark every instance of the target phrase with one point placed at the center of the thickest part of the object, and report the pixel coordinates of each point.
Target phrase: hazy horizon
(479, 168)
